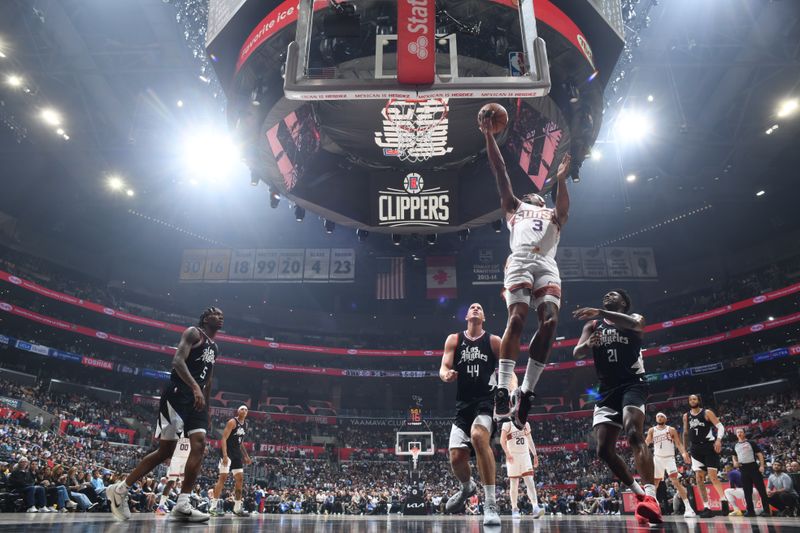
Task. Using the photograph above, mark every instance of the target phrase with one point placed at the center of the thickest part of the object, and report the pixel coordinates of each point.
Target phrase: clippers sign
(410, 200)
(416, 57)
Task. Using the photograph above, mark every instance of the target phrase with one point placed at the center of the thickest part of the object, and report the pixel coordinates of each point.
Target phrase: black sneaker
(520, 407)
(706, 513)
(502, 405)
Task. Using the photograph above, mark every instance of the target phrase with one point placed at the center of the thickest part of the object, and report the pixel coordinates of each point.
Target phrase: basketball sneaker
(457, 502)
(515, 513)
(689, 513)
(118, 502)
(187, 513)
(735, 512)
(648, 511)
(706, 513)
(241, 512)
(537, 512)
(491, 516)
(502, 405)
(520, 407)
(161, 510)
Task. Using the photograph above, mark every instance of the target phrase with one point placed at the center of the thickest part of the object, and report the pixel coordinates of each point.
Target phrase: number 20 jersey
(618, 359)
(475, 363)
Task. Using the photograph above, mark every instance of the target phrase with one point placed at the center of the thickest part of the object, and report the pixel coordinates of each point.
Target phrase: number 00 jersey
(618, 359)
(200, 362)
(475, 363)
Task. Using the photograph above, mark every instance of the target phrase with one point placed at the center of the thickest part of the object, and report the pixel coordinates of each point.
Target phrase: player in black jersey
(614, 338)
(234, 457)
(702, 434)
(470, 359)
(183, 411)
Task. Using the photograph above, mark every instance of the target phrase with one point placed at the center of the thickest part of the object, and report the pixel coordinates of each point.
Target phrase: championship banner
(643, 262)
(441, 277)
(618, 263)
(569, 262)
(487, 267)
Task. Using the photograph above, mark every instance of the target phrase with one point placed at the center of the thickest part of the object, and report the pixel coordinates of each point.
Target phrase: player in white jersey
(177, 464)
(518, 447)
(531, 278)
(664, 439)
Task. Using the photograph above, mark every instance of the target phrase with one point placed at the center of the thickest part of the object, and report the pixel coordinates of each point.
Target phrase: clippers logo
(15, 280)
(411, 206)
(419, 47)
(101, 335)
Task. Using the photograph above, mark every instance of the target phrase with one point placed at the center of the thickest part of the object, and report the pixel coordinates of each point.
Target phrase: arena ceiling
(716, 70)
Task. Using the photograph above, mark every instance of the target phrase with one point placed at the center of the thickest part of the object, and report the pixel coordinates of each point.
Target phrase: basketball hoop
(415, 455)
(416, 123)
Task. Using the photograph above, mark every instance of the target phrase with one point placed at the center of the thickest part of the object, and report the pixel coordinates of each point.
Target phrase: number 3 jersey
(533, 229)
(618, 359)
(475, 363)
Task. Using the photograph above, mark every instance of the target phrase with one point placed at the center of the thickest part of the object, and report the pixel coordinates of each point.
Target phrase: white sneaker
(46, 510)
(119, 502)
(538, 512)
(188, 514)
(515, 513)
(490, 515)
(689, 513)
(32, 509)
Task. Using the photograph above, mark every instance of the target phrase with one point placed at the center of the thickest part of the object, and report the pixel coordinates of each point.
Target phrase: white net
(417, 125)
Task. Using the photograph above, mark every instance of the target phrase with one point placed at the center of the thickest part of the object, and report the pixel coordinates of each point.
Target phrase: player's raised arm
(562, 193)
(446, 372)
(589, 339)
(189, 338)
(508, 201)
(634, 322)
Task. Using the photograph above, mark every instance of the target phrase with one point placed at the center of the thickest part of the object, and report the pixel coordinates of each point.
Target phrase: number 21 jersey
(618, 359)
(475, 363)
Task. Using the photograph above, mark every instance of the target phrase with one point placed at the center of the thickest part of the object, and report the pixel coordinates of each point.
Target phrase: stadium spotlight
(630, 178)
(396, 239)
(761, 193)
(299, 213)
(211, 156)
(130, 192)
(596, 154)
(574, 94)
(497, 225)
(274, 197)
(14, 80)
(254, 179)
(362, 234)
(115, 183)
(632, 125)
(329, 225)
(788, 107)
(463, 235)
(51, 116)
(431, 238)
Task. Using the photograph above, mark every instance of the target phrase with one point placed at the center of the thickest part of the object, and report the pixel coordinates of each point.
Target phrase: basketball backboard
(410, 440)
(381, 49)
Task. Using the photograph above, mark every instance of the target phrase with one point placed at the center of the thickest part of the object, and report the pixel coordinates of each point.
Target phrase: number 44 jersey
(475, 363)
(618, 359)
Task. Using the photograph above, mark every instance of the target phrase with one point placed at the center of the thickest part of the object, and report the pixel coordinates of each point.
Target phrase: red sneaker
(648, 511)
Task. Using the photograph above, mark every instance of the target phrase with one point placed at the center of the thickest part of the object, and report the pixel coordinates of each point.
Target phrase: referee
(745, 460)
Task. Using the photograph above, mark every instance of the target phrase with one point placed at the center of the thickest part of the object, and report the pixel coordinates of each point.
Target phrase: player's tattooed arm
(508, 201)
(589, 339)
(446, 372)
(562, 193)
(189, 338)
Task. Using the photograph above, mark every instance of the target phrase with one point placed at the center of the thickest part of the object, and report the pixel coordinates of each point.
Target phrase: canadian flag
(441, 277)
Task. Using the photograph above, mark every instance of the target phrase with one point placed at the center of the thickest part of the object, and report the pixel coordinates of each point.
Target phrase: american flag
(390, 283)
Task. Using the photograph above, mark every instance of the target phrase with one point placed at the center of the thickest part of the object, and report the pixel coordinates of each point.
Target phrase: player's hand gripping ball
(492, 117)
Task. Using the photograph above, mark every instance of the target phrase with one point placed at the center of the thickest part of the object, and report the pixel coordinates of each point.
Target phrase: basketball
(499, 116)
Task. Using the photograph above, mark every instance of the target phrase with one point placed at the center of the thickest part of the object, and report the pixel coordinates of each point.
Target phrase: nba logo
(516, 63)
(413, 183)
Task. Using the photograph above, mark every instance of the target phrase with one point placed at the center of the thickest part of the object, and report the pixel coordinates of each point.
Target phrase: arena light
(14, 80)
(211, 156)
(788, 107)
(632, 126)
(596, 154)
(463, 235)
(51, 116)
(115, 183)
(497, 226)
(650, 98)
(630, 178)
(299, 213)
(130, 192)
(329, 226)
(274, 197)
(761, 193)
(771, 129)
(362, 234)
(397, 239)
(179, 103)
(431, 238)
